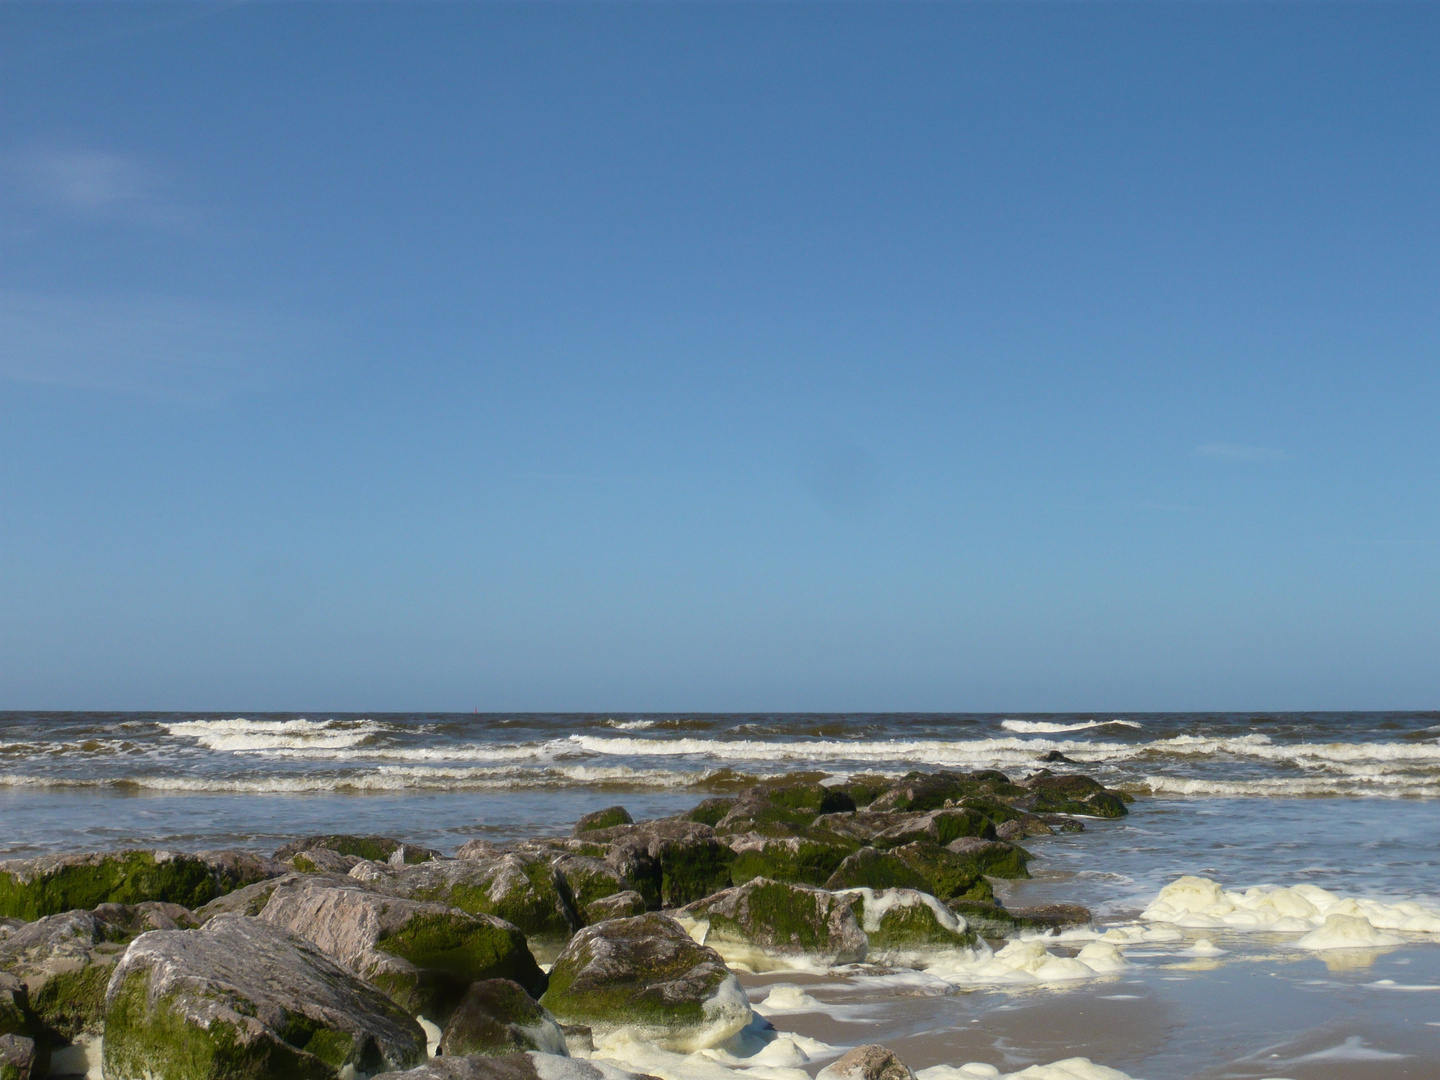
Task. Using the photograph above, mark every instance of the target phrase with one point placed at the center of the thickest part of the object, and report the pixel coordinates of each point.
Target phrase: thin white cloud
(159, 347)
(1239, 452)
(98, 185)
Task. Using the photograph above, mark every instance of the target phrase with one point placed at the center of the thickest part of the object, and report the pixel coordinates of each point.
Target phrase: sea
(1346, 802)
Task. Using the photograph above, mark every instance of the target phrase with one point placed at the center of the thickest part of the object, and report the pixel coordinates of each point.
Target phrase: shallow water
(1349, 802)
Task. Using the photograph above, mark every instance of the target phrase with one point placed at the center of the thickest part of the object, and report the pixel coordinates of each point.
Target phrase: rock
(20, 1059)
(647, 975)
(1073, 794)
(937, 826)
(423, 954)
(808, 859)
(948, 876)
(15, 1015)
(371, 848)
(251, 900)
(872, 1062)
(33, 888)
(132, 919)
(322, 861)
(710, 811)
(995, 921)
(602, 819)
(480, 848)
(993, 858)
(670, 863)
(1056, 756)
(865, 788)
(763, 921)
(497, 1016)
(872, 869)
(901, 923)
(245, 1000)
(922, 791)
(64, 961)
(8, 925)
(522, 889)
(589, 879)
(778, 810)
(623, 905)
(531, 1066)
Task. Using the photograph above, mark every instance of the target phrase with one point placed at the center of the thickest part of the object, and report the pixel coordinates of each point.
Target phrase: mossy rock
(905, 922)
(589, 879)
(370, 848)
(870, 868)
(918, 791)
(762, 921)
(670, 863)
(423, 954)
(648, 976)
(1073, 794)
(497, 1017)
(948, 876)
(937, 826)
(521, 889)
(780, 810)
(996, 921)
(865, 788)
(34, 888)
(993, 858)
(808, 859)
(602, 819)
(711, 811)
(65, 961)
(241, 1000)
(22, 1058)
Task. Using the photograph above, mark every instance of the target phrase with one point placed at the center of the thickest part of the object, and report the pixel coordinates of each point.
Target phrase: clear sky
(732, 356)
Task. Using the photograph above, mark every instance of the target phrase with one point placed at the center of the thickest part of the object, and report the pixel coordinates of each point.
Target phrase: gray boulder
(763, 924)
(622, 905)
(422, 954)
(20, 1058)
(648, 976)
(371, 848)
(497, 1016)
(243, 1000)
(589, 879)
(870, 1062)
(64, 962)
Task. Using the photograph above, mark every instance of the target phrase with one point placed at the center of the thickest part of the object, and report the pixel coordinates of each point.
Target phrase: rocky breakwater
(345, 957)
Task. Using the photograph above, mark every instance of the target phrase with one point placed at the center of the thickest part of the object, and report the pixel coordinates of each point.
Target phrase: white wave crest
(1043, 727)
(240, 734)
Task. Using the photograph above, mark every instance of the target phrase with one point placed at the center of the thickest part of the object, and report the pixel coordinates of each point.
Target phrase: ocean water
(1349, 802)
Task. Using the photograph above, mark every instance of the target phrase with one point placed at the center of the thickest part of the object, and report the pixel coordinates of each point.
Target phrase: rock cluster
(352, 956)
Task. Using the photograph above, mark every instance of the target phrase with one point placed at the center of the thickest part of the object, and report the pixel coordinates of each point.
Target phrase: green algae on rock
(521, 888)
(422, 954)
(33, 888)
(65, 962)
(937, 826)
(589, 879)
(497, 1016)
(768, 925)
(806, 859)
(709, 811)
(947, 875)
(648, 976)
(21, 1058)
(873, 869)
(243, 1000)
(993, 858)
(668, 862)
(901, 924)
(602, 819)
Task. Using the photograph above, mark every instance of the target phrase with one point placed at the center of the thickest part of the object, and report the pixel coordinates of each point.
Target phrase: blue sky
(732, 356)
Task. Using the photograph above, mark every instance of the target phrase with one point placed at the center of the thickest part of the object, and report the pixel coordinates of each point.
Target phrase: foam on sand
(1077, 1068)
(1327, 920)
